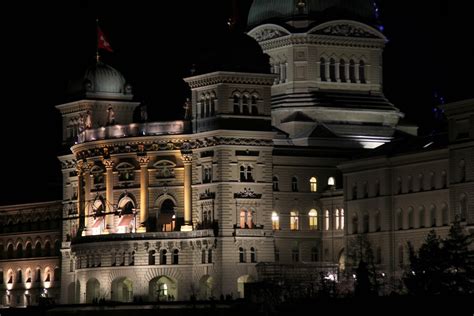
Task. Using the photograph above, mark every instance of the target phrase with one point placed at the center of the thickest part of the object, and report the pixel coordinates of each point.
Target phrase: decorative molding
(267, 34)
(230, 77)
(344, 30)
(108, 163)
(207, 195)
(143, 160)
(247, 194)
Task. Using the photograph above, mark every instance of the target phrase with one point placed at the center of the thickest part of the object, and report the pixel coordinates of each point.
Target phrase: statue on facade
(187, 109)
(143, 113)
(110, 116)
(88, 121)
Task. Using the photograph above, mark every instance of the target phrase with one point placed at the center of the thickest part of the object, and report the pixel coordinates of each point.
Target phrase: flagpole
(97, 56)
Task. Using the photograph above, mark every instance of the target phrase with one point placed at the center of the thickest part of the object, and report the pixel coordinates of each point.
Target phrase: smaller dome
(100, 78)
(103, 78)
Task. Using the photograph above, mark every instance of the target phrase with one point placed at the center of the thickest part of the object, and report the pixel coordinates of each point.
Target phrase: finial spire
(97, 56)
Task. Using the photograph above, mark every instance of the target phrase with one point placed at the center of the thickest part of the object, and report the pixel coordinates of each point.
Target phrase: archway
(71, 295)
(342, 260)
(162, 288)
(126, 207)
(241, 281)
(122, 290)
(92, 290)
(167, 216)
(206, 287)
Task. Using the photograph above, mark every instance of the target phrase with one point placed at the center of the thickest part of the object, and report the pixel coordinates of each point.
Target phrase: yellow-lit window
(337, 221)
(326, 220)
(275, 221)
(313, 219)
(313, 182)
(294, 221)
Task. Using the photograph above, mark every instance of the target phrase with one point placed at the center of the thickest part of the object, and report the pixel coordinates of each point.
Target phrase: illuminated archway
(162, 288)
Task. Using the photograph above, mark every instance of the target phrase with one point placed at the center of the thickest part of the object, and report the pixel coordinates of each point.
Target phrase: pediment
(346, 28)
(267, 32)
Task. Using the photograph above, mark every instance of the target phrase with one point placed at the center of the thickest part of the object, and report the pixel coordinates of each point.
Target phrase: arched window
(294, 184)
(421, 180)
(209, 256)
(28, 250)
(355, 224)
(254, 105)
(163, 256)
(241, 254)
(295, 254)
(28, 276)
(337, 219)
(208, 108)
(294, 220)
(444, 179)
(245, 105)
(432, 181)
(151, 257)
(399, 219)
(410, 184)
(253, 255)
(38, 275)
(378, 223)
(332, 69)
(19, 251)
(213, 105)
(342, 70)
(462, 207)
(38, 249)
(57, 248)
(314, 254)
(331, 181)
(322, 69)
(313, 219)
(365, 223)
(410, 218)
(378, 255)
(401, 259)
(326, 220)
(313, 184)
(399, 186)
(236, 104)
(462, 171)
(433, 215)
(10, 251)
(362, 72)
(445, 214)
(203, 256)
(275, 221)
(275, 184)
(342, 218)
(175, 256)
(421, 217)
(352, 76)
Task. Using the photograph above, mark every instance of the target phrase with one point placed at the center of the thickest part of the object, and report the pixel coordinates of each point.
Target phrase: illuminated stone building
(261, 169)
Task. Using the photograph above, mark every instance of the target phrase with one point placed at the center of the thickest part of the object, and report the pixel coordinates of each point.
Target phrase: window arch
(313, 184)
(236, 104)
(245, 105)
(411, 224)
(38, 249)
(444, 179)
(433, 215)
(378, 221)
(421, 180)
(421, 217)
(342, 70)
(275, 221)
(326, 220)
(175, 256)
(19, 250)
(241, 254)
(322, 69)
(332, 69)
(253, 254)
(352, 76)
(275, 183)
(253, 102)
(151, 257)
(294, 220)
(163, 256)
(432, 180)
(28, 250)
(294, 184)
(313, 219)
(362, 78)
(126, 171)
(337, 219)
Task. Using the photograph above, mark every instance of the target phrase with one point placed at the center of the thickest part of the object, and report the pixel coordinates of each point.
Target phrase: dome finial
(97, 56)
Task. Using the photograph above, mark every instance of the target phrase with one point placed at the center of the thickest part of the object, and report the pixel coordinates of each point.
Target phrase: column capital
(143, 160)
(108, 163)
(187, 156)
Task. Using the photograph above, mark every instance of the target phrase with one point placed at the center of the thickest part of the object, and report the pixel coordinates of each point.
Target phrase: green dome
(263, 11)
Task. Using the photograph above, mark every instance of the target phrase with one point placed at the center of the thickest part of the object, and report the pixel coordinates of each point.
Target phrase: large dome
(100, 78)
(263, 11)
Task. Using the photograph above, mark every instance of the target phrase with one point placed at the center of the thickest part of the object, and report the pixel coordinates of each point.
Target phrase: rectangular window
(294, 221)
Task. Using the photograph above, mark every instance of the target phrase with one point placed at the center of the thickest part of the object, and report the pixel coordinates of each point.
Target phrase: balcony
(134, 130)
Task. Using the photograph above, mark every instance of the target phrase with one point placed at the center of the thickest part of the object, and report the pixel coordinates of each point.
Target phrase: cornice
(230, 77)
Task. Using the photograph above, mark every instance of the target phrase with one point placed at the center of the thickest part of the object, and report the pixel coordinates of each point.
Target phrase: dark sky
(45, 44)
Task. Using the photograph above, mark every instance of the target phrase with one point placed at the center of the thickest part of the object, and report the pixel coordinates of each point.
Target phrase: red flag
(102, 42)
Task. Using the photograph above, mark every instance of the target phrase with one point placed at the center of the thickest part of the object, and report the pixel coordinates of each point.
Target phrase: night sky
(430, 50)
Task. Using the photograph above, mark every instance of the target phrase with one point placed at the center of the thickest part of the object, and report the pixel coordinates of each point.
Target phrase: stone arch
(206, 287)
(342, 260)
(162, 288)
(165, 207)
(71, 293)
(92, 290)
(241, 281)
(122, 289)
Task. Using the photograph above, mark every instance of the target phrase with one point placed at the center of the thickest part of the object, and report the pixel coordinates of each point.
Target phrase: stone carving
(247, 194)
(266, 34)
(207, 195)
(345, 30)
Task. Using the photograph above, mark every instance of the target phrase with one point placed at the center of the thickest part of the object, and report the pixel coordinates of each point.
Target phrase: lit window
(326, 220)
(275, 221)
(337, 219)
(342, 218)
(294, 221)
(246, 218)
(331, 181)
(313, 219)
(313, 183)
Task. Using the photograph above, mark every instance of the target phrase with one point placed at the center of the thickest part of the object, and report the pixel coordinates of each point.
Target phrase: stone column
(109, 194)
(143, 161)
(80, 195)
(346, 70)
(87, 193)
(282, 72)
(327, 66)
(187, 161)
